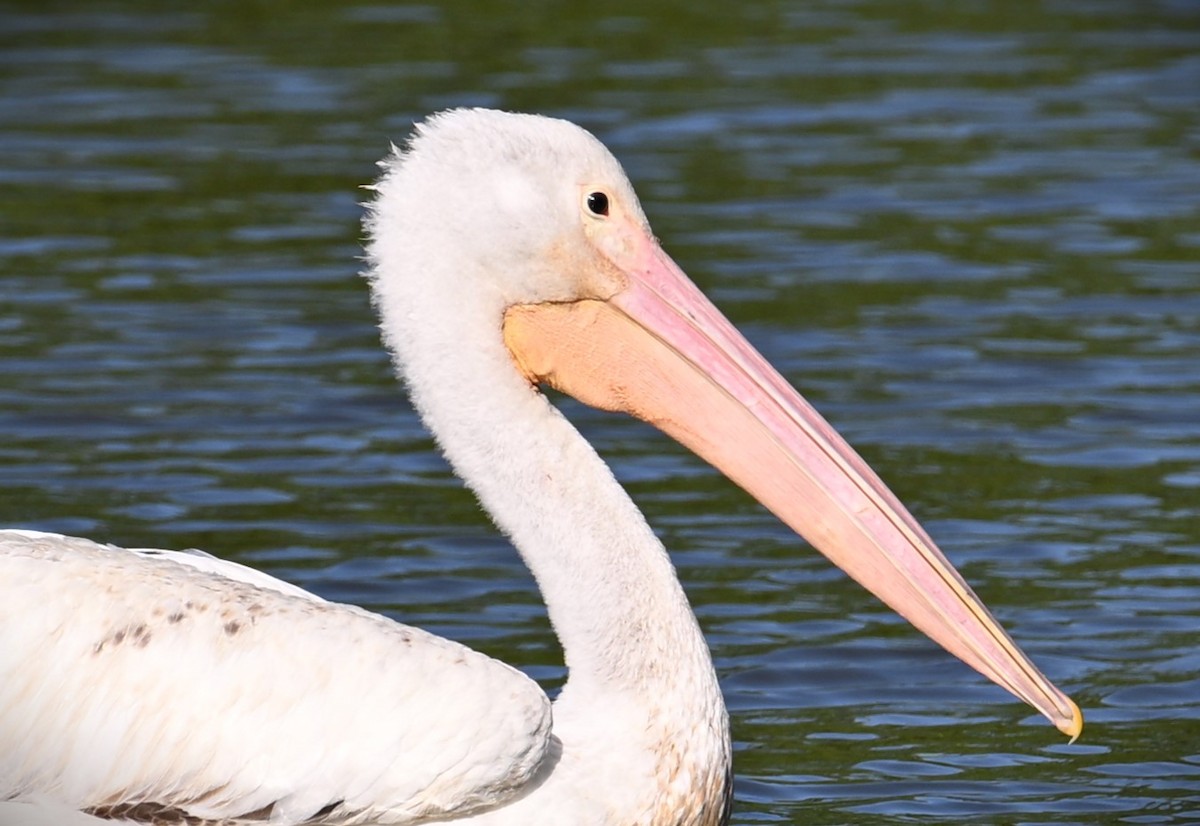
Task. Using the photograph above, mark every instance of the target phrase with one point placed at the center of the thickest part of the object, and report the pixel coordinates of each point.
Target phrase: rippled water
(969, 232)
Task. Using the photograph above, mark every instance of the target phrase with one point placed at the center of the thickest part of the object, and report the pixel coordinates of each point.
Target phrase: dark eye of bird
(597, 203)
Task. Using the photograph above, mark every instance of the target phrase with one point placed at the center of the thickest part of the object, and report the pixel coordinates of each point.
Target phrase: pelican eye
(597, 203)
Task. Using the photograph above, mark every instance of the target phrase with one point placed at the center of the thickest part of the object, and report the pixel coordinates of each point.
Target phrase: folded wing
(130, 681)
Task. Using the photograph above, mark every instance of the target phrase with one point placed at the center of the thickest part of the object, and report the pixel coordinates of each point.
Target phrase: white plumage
(505, 251)
(192, 688)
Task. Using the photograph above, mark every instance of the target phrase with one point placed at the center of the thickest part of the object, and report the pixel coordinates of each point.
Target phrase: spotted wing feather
(132, 680)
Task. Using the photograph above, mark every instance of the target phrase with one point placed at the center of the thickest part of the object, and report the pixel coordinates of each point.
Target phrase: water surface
(970, 233)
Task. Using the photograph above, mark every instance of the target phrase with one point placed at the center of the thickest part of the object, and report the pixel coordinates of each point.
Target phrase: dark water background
(969, 232)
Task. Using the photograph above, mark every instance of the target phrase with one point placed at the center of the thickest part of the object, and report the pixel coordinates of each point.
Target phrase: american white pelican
(505, 251)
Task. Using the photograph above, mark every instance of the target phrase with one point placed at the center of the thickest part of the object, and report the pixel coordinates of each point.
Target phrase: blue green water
(970, 233)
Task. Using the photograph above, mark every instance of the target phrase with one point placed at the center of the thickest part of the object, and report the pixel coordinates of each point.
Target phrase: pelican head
(546, 269)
